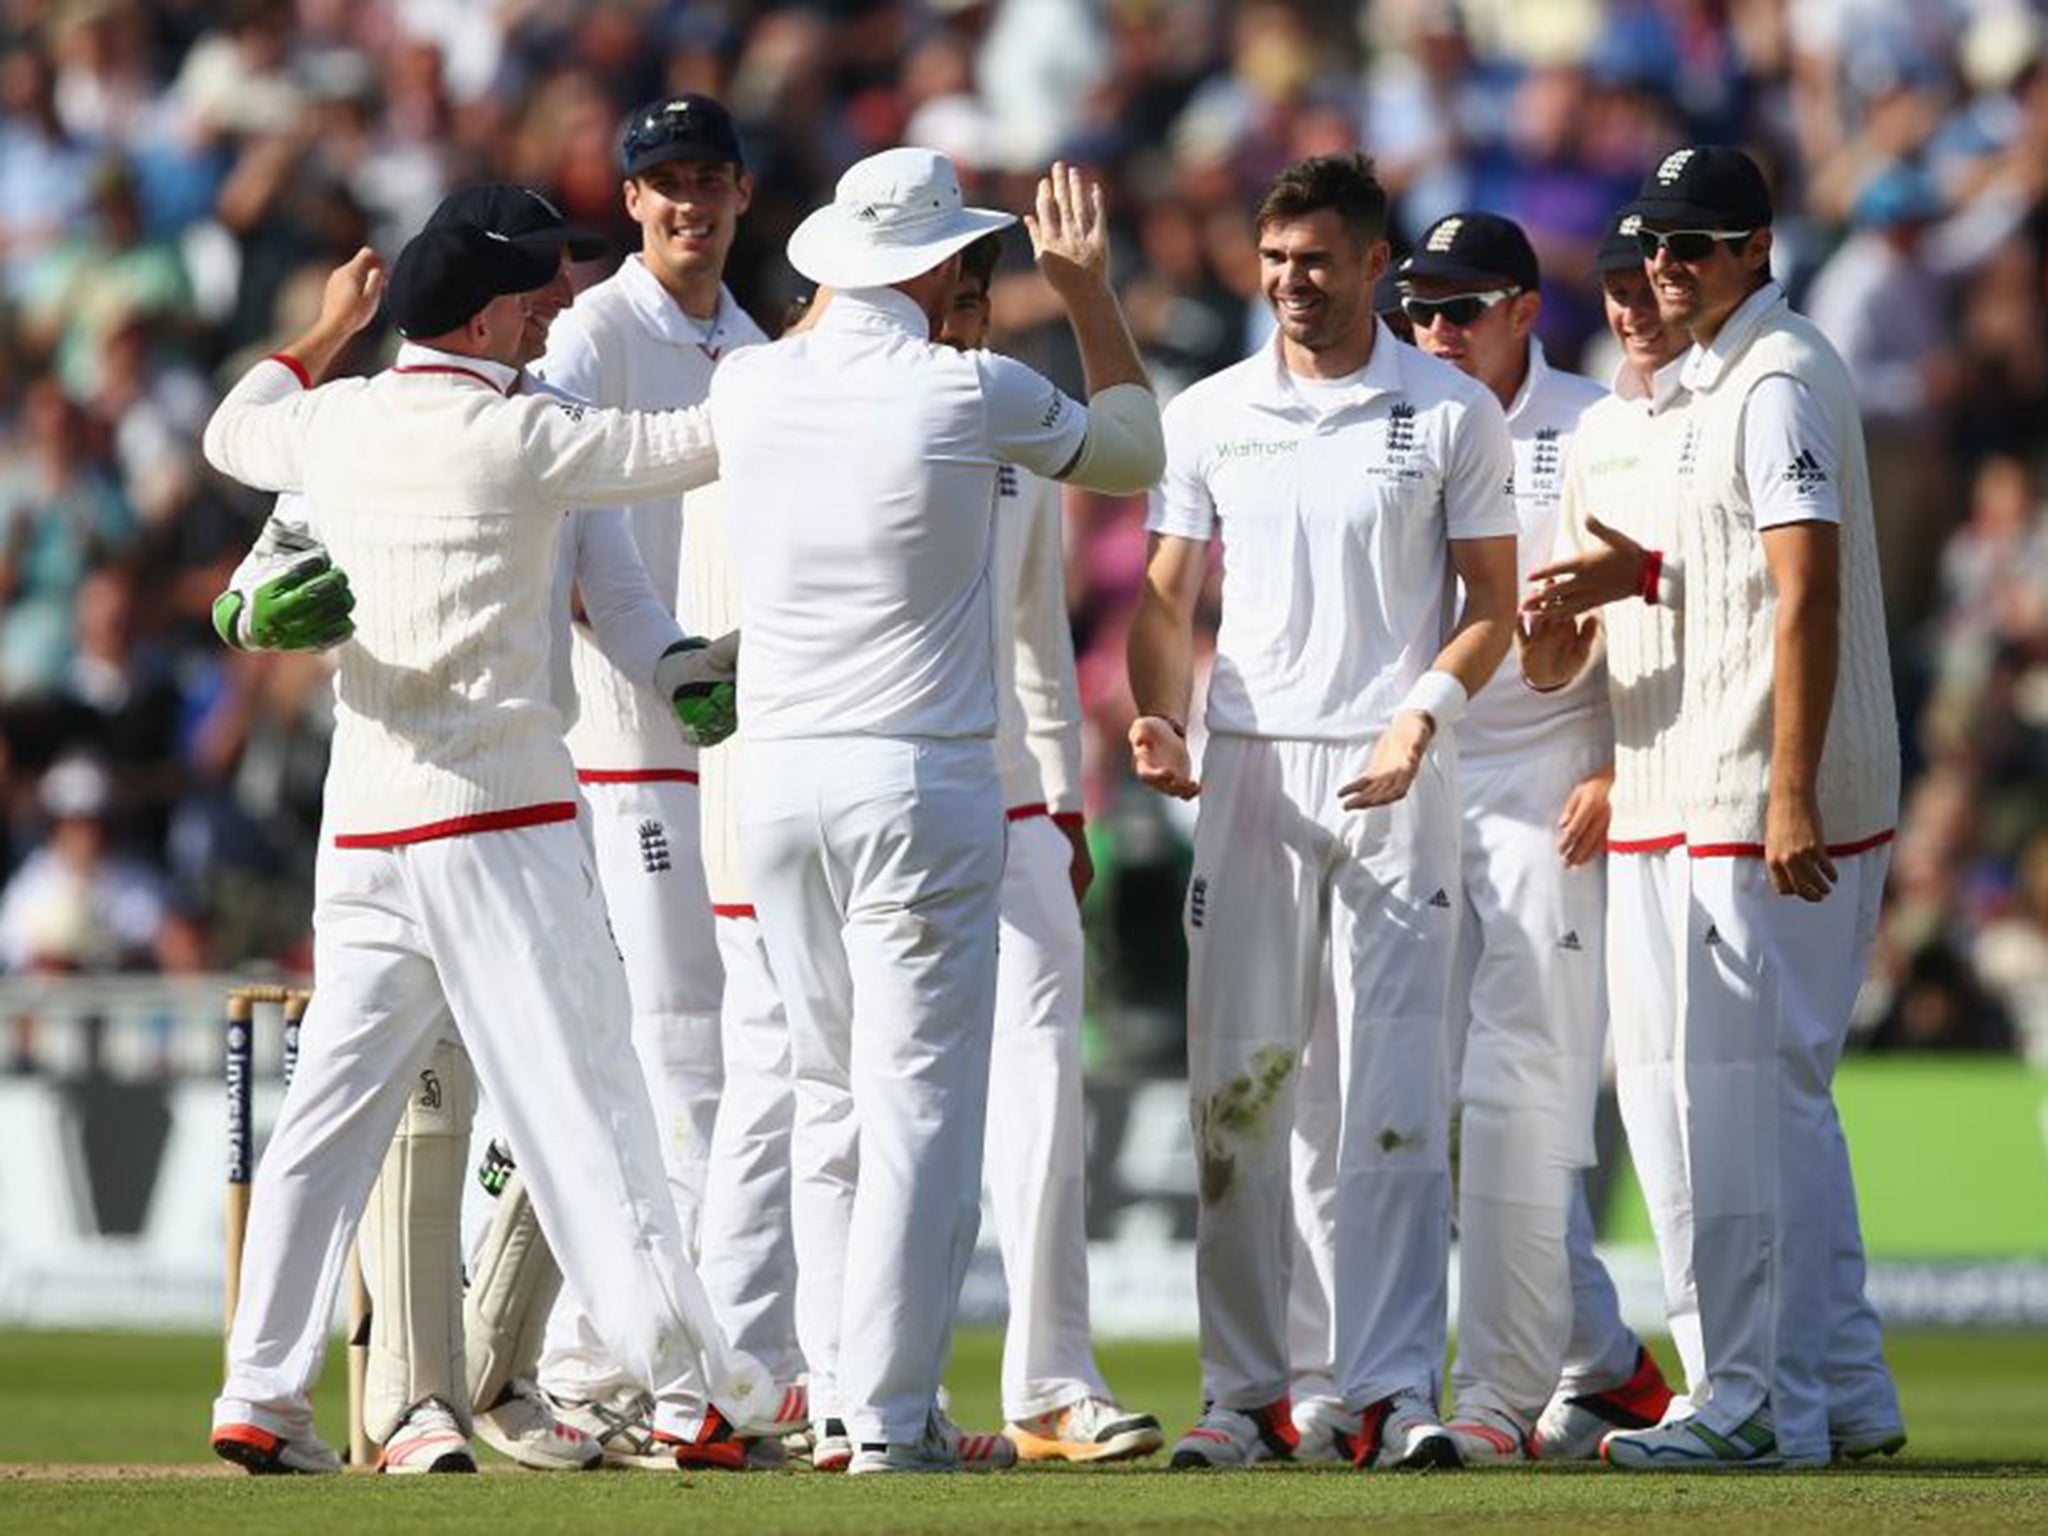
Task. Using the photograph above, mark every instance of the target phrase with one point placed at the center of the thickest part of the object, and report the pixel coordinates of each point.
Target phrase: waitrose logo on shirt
(1255, 448)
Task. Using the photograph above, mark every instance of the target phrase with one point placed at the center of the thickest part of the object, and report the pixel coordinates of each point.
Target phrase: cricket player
(1789, 796)
(749, 1264)
(456, 894)
(1056, 1406)
(440, 1362)
(1528, 1001)
(1618, 477)
(867, 459)
(648, 337)
(1350, 478)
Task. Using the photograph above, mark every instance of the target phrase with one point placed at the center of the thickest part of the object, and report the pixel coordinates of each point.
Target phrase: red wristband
(1068, 821)
(1653, 572)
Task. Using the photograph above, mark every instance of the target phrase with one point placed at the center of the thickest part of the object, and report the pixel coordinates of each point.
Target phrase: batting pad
(413, 1257)
(510, 1296)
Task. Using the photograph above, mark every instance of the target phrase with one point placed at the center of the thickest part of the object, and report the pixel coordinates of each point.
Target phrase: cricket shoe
(622, 1428)
(1093, 1429)
(1860, 1444)
(428, 1439)
(1574, 1423)
(1687, 1445)
(1401, 1431)
(714, 1449)
(1488, 1437)
(1326, 1431)
(1238, 1437)
(832, 1447)
(943, 1447)
(263, 1454)
(522, 1427)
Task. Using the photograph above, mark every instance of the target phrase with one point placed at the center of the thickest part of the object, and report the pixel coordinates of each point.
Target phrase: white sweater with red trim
(442, 499)
(1731, 609)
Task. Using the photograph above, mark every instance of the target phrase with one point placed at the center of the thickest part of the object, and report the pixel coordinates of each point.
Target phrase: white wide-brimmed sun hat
(892, 217)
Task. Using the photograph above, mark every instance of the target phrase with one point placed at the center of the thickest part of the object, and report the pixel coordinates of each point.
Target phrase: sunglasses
(1460, 309)
(1686, 244)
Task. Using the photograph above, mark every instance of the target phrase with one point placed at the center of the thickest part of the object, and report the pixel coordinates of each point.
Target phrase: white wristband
(1438, 695)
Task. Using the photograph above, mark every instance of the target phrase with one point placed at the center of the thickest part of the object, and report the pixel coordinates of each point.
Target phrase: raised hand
(353, 291)
(1607, 573)
(1070, 229)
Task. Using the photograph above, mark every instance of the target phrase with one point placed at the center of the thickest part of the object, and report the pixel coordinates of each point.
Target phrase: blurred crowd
(177, 177)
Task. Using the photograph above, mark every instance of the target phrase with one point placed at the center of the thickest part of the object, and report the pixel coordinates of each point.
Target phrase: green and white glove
(303, 606)
(700, 679)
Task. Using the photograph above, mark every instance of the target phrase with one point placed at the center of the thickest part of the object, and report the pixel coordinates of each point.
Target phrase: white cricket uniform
(457, 890)
(411, 1230)
(1622, 470)
(1336, 506)
(1773, 437)
(626, 343)
(866, 459)
(1036, 1164)
(1528, 1003)
(749, 1262)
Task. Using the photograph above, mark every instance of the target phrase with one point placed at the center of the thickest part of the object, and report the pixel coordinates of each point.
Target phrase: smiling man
(1349, 477)
(648, 337)
(1789, 797)
(1528, 1007)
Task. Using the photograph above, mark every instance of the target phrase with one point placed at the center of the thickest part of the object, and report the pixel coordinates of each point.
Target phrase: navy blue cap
(448, 272)
(685, 127)
(1620, 251)
(1705, 186)
(1473, 247)
(521, 215)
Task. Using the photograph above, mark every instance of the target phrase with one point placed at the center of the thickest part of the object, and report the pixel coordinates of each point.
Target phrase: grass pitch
(106, 1432)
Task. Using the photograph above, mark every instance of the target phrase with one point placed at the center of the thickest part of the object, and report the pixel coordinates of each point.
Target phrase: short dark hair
(1345, 184)
(978, 261)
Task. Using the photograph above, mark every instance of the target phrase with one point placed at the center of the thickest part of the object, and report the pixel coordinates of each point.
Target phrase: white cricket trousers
(645, 836)
(1036, 1170)
(501, 934)
(1648, 894)
(1280, 867)
(876, 866)
(1312, 1167)
(1527, 1022)
(749, 1263)
(1777, 1249)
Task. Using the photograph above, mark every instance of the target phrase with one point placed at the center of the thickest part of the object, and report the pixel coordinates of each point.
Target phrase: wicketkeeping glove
(700, 679)
(305, 606)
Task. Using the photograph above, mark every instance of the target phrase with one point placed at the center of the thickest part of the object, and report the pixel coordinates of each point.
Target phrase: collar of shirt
(1663, 390)
(1277, 391)
(875, 309)
(658, 309)
(1705, 365)
(1532, 381)
(414, 358)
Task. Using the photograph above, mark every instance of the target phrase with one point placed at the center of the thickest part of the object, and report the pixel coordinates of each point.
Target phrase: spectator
(75, 906)
(60, 514)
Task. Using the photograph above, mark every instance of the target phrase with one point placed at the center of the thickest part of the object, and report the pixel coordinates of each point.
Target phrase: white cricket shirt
(1335, 508)
(626, 343)
(860, 460)
(1509, 718)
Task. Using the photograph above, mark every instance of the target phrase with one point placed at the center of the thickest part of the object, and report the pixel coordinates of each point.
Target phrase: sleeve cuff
(298, 368)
